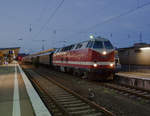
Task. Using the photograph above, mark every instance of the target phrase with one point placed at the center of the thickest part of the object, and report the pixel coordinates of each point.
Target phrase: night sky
(30, 24)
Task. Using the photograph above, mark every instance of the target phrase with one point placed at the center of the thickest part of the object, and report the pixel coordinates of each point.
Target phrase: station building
(135, 58)
(8, 54)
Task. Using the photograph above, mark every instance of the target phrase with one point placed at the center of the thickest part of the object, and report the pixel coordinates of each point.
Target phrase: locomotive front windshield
(98, 44)
(108, 45)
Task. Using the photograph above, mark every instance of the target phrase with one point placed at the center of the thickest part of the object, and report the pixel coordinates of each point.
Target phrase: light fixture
(104, 52)
(95, 65)
(91, 37)
(111, 65)
(145, 48)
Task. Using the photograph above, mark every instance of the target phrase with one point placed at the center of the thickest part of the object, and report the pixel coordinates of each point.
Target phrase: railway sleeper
(148, 95)
(87, 111)
(66, 97)
(93, 114)
(59, 94)
(65, 100)
(57, 114)
(75, 105)
(52, 105)
(79, 108)
(59, 91)
(71, 102)
(143, 93)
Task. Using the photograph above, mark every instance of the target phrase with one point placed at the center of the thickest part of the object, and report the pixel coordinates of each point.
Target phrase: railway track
(64, 102)
(129, 90)
(125, 89)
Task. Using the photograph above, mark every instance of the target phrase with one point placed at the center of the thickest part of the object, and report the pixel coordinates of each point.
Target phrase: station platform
(17, 95)
(138, 79)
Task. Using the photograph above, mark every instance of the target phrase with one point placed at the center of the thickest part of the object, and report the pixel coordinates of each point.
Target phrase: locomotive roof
(99, 39)
(94, 39)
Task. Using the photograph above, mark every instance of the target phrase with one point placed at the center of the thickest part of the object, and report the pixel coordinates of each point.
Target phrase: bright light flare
(95, 65)
(111, 65)
(91, 36)
(145, 48)
(104, 52)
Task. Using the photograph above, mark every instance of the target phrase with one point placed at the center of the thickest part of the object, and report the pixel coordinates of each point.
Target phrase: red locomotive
(93, 59)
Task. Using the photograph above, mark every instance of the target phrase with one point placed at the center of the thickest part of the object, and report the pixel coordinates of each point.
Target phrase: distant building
(8, 54)
(135, 58)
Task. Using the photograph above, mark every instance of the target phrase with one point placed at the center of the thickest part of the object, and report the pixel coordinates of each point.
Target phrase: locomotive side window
(63, 49)
(78, 46)
(57, 50)
(84, 44)
(98, 44)
(71, 47)
(108, 45)
(90, 44)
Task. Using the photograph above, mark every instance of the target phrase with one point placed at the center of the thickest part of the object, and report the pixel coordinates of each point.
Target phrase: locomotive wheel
(74, 73)
(85, 75)
(77, 72)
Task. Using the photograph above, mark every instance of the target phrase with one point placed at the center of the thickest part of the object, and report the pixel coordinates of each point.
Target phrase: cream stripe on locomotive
(83, 63)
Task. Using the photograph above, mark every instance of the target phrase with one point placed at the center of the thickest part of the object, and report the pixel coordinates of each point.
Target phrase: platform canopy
(9, 51)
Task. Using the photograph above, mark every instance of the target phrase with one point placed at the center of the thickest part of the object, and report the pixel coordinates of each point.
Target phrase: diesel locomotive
(93, 59)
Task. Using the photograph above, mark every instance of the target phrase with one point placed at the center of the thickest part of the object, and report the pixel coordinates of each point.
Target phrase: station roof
(13, 48)
(136, 45)
(7, 50)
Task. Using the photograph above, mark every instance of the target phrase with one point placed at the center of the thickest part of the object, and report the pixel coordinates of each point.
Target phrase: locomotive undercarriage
(91, 74)
(101, 74)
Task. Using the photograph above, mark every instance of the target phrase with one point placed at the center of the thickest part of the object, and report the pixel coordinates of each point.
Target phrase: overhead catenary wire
(113, 18)
(49, 19)
(121, 15)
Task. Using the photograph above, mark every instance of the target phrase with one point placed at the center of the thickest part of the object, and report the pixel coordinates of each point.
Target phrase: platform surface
(17, 95)
(136, 75)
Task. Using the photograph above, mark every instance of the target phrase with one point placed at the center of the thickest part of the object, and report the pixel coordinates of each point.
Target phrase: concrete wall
(134, 59)
(135, 68)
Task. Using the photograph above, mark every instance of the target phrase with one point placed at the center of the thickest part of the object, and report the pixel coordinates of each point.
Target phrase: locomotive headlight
(104, 52)
(95, 65)
(111, 65)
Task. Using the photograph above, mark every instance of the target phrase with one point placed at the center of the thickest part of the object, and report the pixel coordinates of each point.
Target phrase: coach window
(98, 44)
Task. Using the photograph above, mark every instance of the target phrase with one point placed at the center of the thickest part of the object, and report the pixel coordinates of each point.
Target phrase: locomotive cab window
(108, 45)
(90, 44)
(98, 44)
